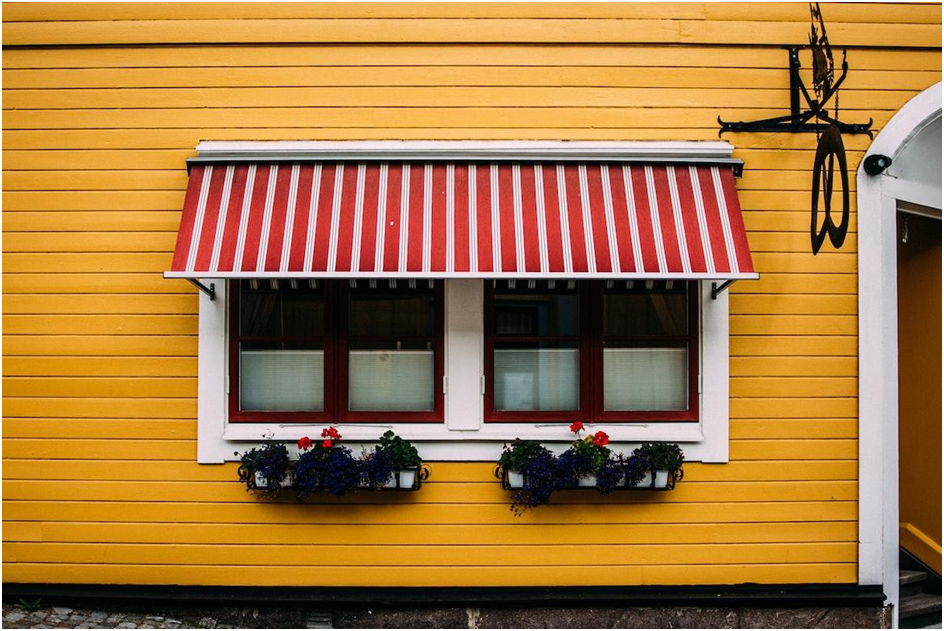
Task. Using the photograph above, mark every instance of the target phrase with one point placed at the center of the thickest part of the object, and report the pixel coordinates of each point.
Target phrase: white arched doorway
(912, 139)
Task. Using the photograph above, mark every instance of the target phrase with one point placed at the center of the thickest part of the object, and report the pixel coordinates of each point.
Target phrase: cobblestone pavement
(45, 616)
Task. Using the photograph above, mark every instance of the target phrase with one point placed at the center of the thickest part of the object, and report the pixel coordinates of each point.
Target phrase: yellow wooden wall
(103, 103)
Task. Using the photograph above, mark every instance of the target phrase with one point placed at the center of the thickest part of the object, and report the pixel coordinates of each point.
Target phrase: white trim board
(878, 348)
(464, 436)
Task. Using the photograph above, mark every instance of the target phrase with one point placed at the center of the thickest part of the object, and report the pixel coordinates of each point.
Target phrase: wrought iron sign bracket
(209, 291)
(799, 121)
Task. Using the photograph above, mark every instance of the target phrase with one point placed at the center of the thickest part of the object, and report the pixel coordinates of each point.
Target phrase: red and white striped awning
(469, 219)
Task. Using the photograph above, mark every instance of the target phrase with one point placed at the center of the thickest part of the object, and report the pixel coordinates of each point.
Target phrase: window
(322, 352)
(594, 351)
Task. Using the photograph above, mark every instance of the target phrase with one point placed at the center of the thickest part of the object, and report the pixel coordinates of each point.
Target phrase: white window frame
(463, 436)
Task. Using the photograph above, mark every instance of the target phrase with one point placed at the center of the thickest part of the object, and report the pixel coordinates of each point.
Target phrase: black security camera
(876, 163)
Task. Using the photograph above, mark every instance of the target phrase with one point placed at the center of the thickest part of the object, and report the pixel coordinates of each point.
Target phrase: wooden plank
(459, 576)
(793, 428)
(861, 12)
(147, 221)
(439, 30)
(426, 96)
(626, 511)
(793, 304)
(742, 387)
(100, 387)
(87, 263)
(149, 429)
(89, 241)
(464, 75)
(101, 366)
(69, 304)
(93, 283)
(100, 325)
(308, 534)
(813, 346)
(793, 449)
(432, 556)
(357, 55)
(432, 492)
(101, 345)
(787, 406)
(793, 325)
(815, 366)
(146, 408)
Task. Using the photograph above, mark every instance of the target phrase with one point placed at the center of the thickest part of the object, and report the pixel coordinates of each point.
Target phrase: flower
(304, 443)
(330, 432)
(576, 426)
(600, 439)
(327, 444)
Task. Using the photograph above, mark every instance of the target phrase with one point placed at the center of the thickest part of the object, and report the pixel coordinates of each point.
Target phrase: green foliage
(403, 452)
(591, 454)
(662, 456)
(520, 454)
(270, 460)
(31, 604)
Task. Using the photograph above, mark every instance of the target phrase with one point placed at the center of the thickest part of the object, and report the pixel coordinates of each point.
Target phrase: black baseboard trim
(747, 595)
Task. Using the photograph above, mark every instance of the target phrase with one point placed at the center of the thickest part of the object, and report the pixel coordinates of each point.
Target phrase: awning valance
(461, 219)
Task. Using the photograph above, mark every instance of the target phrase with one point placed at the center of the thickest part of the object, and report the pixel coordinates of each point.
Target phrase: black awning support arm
(717, 289)
(211, 290)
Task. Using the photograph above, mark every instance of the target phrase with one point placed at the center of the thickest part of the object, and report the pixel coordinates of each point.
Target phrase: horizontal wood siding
(104, 102)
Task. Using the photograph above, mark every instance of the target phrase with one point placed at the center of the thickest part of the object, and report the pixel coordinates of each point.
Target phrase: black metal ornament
(830, 151)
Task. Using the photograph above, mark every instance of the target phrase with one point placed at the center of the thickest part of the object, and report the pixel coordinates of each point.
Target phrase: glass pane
(645, 378)
(278, 379)
(281, 312)
(638, 311)
(540, 376)
(538, 313)
(395, 379)
(392, 312)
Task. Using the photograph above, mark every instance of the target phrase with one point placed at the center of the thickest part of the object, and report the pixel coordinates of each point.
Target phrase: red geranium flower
(600, 439)
(304, 443)
(576, 426)
(331, 433)
(326, 444)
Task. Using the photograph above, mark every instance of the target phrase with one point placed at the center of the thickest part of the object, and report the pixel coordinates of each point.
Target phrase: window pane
(538, 313)
(281, 312)
(279, 379)
(393, 312)
(539, 376)
(637, 377)
(396, 379)
(638, 311)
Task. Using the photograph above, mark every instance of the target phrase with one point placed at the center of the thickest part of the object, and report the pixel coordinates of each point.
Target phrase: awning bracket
(209, 291)
(717, 289)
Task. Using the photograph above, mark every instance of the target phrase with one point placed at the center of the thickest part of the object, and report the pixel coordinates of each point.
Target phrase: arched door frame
(878, 341)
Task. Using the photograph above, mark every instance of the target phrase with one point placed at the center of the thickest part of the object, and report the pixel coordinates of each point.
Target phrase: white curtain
(645, 378)
(391, 381)
(537, 379)
(281, 380)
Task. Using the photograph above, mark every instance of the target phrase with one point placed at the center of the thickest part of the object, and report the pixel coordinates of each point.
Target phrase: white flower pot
(662, 478)
(392, 481)
(589, 480)
(263, 483)
(407, 477)
(645, 482)
(515, 479)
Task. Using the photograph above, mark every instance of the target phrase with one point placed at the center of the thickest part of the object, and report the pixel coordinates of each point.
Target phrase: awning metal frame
(209, 291)
(716, 289)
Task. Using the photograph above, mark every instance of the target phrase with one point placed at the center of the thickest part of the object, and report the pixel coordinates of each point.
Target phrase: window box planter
(325, 467)
(534, 473)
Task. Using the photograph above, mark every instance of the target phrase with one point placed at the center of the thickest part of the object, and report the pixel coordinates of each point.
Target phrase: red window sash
(591, 366)
(336, 294)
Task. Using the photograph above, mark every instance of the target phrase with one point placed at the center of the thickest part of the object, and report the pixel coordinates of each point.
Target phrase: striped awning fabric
(454, 220)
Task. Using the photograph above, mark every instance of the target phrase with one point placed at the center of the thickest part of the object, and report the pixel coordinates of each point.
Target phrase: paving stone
(62, 611)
